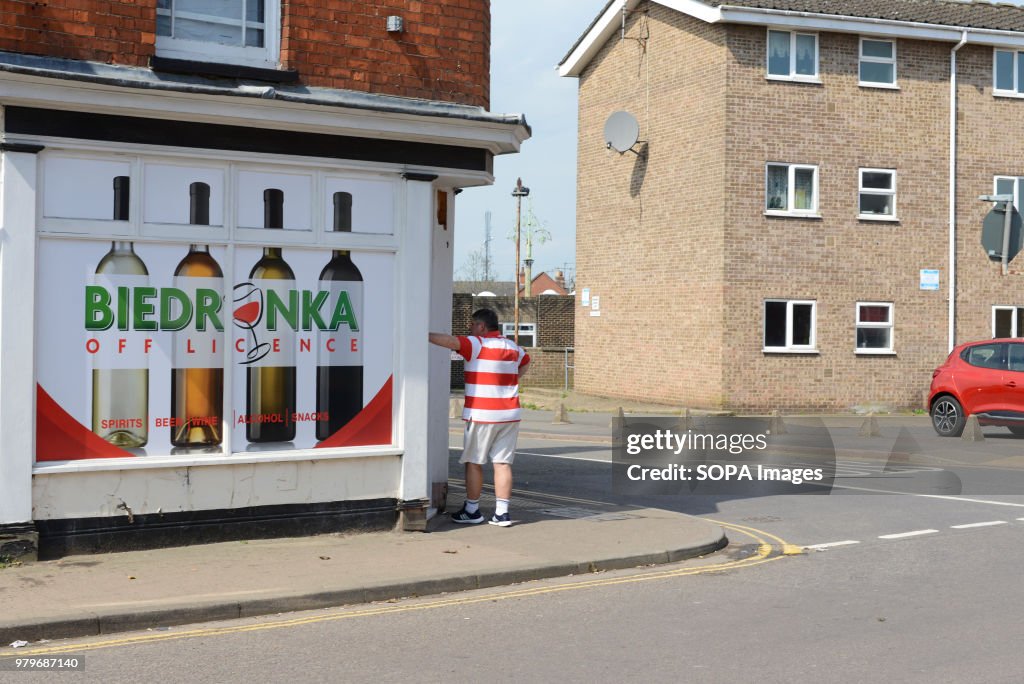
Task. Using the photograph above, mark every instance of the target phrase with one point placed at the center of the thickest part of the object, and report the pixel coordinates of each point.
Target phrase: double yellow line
(769, 548)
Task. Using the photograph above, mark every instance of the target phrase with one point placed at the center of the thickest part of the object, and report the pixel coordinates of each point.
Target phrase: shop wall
(327, 314)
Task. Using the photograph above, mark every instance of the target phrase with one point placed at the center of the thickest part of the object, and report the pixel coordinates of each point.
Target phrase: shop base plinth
(19, 543)
(64, 537)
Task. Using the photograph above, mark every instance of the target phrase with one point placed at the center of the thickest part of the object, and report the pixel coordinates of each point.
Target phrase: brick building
(796, 189)
(281, 172)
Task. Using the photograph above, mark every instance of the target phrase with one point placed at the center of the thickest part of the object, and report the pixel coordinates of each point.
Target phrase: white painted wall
(212, 487)
(442, 262)
(17, 324)
(414, 293)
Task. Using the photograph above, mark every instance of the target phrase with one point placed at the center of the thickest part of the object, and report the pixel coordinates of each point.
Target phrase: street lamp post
(519, 193)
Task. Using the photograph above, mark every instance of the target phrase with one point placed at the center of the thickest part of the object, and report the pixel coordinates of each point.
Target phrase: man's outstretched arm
(443, 340)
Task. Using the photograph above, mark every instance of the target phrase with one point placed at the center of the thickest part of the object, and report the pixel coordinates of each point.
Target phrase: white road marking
(568, 458)
(931, 496)
(530, 453)
(831, 544)
(901, 535)
(981, 524)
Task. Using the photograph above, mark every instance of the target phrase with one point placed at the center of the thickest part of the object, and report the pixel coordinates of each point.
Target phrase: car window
(986, 356)
(1015, 357)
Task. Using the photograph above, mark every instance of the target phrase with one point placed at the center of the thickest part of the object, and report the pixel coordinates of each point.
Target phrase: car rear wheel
(948, 417)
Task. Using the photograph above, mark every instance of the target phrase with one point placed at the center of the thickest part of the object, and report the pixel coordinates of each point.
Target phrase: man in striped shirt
(494, 365)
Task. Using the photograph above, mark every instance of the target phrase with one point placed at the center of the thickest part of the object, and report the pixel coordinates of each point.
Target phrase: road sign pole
(1008, 209)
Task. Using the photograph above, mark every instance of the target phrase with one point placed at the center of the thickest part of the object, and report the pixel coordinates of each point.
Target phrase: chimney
(560, 278)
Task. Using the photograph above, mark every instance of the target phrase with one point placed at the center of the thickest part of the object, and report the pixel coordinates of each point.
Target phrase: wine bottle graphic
(197, 376)
(120, 377)
(339, 373)
(270, 388)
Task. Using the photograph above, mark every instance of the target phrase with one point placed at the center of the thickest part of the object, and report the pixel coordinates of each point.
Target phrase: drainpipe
(952, 190)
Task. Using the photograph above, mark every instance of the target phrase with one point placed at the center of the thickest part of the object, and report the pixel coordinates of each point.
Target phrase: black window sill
(248, 73)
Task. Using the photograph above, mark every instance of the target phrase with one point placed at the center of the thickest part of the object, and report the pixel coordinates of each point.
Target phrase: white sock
(501, 507)
(472, 505)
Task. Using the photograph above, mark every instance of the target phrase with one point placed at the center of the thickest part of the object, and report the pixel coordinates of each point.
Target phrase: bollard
(561, 415)
(869, 428)
(618, 414)
(972, 430)
(778, 427)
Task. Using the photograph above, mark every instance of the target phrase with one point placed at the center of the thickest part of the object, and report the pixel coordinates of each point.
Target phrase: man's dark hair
(488, 318)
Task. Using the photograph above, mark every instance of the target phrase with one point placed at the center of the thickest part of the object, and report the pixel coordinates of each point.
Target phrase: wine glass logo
(248, 314)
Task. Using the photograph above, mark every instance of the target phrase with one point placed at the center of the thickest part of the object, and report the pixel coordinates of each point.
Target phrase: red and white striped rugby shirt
(492, 378)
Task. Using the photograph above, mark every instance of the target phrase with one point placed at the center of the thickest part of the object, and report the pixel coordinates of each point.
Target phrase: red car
(983, 379)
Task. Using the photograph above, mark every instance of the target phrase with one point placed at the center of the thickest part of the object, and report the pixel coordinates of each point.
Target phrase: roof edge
(608, 21)
(145, 79)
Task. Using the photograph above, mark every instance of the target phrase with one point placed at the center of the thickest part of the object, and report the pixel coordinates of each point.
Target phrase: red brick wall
(443, 53)
(96, 30)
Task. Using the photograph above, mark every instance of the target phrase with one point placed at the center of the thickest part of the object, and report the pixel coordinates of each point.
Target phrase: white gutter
(952, 190)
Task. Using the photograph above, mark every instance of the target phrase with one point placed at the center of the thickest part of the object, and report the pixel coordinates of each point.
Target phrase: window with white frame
(789, 325)
(874, 327)
(1010, 185)
(527, 333)
(792, 55)
(1008, 72)
(877, 62)
(242, 32)
(877, 194)
(791, 188)
(1007, 321)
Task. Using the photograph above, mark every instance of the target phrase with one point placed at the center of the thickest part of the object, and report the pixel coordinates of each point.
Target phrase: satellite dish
(621, 131)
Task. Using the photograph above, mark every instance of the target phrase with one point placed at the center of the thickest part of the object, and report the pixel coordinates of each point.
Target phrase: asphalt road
(922, 586)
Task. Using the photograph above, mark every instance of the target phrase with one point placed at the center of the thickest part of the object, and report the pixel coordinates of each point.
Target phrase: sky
(528, 40)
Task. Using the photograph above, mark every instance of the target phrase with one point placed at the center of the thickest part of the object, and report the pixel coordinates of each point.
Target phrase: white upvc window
(527, 333)
(791, 189)
(876, 190)
(243, 32)
(1007, 321)
(874, 327)
(877, 63)
(789, 325)
(1008, 72)
(792, 56)
(1009, 185)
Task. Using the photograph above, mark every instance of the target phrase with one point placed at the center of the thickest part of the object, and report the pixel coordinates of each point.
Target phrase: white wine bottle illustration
(120, 386)
(270, 389)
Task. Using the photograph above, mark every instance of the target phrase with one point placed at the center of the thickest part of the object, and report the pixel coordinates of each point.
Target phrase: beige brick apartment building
(764, 246)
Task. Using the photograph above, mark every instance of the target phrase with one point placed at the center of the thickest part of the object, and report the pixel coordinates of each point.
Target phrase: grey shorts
(494, 441)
